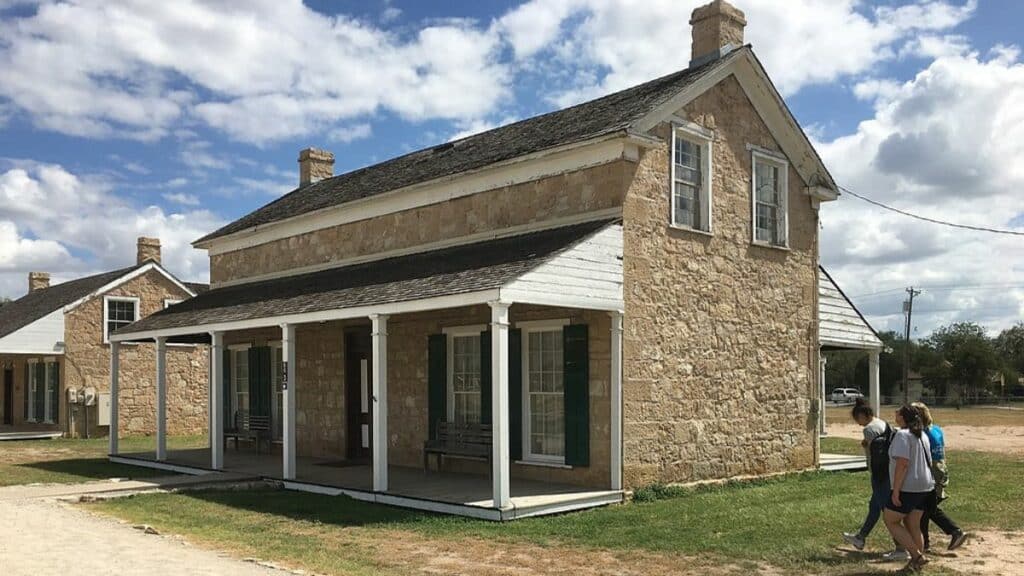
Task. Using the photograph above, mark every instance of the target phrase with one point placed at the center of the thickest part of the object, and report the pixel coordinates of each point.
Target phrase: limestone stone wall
(87, 363)
(719, 342)
(17, 362)
(577, 192)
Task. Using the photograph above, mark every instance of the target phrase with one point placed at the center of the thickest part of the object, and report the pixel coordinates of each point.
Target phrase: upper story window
(118, 311)
(769, 200)
(691, 178)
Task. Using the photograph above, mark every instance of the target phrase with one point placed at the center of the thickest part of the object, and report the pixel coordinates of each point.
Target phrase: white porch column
(821, 401)
(499, 404)
(379, 334)
(161, 398)
(288, 393)
(874, 387)
(115, 367)
(217, 400)
(616, 401)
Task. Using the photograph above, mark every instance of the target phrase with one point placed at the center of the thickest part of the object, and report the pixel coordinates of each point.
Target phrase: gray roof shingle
(34, 305)
(609, 114)
(457, 270)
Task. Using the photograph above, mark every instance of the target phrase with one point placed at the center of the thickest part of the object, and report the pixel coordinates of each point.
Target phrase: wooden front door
(358, 393)
(8, 396)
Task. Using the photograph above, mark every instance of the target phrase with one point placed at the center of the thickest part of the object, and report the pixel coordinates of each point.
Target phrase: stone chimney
(38, 281)
(148, 249)
(315, 165)
(717, 30)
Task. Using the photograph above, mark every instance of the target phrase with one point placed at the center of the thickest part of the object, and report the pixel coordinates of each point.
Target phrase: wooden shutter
(486, 382)
(576, 379)
(40, 400)
(437, 382)
(229, 415)
(515, 394)
(259, 381)
(55, 393)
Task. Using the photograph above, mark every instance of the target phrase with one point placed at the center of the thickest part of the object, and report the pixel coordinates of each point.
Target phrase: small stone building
(55, 354)
(534, 318)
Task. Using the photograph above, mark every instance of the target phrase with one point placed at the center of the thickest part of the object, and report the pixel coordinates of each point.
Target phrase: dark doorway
(8, 396)
(358, 392)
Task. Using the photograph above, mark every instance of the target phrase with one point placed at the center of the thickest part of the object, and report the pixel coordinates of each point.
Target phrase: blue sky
(127, 119)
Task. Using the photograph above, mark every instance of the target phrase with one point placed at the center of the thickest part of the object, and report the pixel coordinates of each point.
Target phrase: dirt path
(48, 537)
(1000, 439)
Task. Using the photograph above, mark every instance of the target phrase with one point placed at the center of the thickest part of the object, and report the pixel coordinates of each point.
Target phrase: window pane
(466, 379)
(546, 418)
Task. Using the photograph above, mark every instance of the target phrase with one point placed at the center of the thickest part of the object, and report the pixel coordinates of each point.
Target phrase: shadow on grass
(89, 469)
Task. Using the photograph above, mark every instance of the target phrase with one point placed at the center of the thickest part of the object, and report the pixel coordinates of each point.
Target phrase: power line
(946, 288)
(932, 220)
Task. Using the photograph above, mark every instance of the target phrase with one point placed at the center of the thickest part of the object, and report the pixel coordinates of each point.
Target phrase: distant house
(534, 318)
(55, 353)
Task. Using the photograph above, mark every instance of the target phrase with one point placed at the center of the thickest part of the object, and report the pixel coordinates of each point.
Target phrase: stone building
(533, 318)
(55, 354)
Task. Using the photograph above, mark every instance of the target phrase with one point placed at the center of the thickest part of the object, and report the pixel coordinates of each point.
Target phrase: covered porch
(518, 339)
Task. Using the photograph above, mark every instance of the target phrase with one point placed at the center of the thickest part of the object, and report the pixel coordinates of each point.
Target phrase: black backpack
(879, 450)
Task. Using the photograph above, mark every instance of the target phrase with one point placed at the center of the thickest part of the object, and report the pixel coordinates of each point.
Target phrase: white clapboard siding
(588, 274)
(44, 336)
(839, 323)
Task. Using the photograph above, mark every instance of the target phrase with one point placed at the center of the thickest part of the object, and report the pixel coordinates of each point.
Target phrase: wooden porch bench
(462, 440)
(249, 427)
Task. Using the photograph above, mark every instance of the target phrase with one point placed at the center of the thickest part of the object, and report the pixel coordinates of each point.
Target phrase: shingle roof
(34, 305)
(606, 115)
(456, 270)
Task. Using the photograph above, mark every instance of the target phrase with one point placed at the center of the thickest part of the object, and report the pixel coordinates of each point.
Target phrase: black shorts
(910, 501)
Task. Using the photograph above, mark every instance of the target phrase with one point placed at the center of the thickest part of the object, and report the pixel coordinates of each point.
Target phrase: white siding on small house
(589, 273)
(44, 336)
(839, 323)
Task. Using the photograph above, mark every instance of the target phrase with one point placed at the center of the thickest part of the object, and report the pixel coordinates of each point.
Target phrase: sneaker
(896, 555)
(854, 540)
(958, 540)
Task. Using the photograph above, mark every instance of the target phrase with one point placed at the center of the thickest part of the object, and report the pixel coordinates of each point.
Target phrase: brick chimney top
(147, 249)
(315, 165)
(38, 281)
(717, 29)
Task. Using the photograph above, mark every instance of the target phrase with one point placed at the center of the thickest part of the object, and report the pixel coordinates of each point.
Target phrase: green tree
(1010, 346)
(967, 355)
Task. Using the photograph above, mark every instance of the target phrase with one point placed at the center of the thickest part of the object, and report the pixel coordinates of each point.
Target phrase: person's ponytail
(912, 420)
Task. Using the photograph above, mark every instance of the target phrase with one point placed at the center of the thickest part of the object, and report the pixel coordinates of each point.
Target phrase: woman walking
(932, 512)
(912, 482)
(877, 436)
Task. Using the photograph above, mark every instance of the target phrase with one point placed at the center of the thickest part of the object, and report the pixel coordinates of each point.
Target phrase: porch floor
(450, 492)
(842, 462)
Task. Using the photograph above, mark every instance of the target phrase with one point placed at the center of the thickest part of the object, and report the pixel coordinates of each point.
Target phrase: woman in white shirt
(911, 479)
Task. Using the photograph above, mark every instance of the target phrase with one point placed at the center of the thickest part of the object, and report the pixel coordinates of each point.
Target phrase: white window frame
(49, 410)
(232, 350)
(758, 155)
(451, 333)
(703, 138)
(106, 313)
(30, 389)
(277, 406)
(526, 328)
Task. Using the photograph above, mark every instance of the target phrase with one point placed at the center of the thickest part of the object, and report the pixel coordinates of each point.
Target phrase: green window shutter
(437, 382)
(40, 406)
(485, 377)
(259, 381)
(515, 394)
(55, 393)
(229, 415)
(576, 374)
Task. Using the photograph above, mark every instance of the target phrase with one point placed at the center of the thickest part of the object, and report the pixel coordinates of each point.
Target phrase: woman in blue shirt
(932, 512)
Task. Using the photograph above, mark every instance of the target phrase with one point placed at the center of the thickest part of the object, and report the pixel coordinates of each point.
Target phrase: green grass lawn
(78, 460)
(944, 416)
(792, 522)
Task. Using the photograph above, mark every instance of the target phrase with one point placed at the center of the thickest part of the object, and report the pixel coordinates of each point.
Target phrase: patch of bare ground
(987, 553)
(997, 439)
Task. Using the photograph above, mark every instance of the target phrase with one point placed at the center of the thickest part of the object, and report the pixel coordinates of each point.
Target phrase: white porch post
(379, 334)
(499, 404)
(115, 366)
(161, 398)
(874, 387)
(288, 390)
(616, 401)
(821, 400)
(217, 401)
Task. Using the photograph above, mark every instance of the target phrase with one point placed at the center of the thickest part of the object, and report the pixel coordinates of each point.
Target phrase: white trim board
(127, 277)
(541, 164)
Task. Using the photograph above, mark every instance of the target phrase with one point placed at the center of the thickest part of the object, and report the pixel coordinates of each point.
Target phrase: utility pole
(908, 309)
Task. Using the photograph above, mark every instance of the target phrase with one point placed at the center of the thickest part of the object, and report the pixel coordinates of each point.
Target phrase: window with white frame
(544, 404)
(771, 226)
(43, 410)
(691, 179)
(33, 387)
(52, 398)
(118, 311)
(239, 378)
(464, 376)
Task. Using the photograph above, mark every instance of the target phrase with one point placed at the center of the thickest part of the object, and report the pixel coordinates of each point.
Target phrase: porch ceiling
(460, 270)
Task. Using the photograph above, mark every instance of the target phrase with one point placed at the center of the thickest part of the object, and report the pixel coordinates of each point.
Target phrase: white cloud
(182, 198)
(85, 216)
(948, 144)
(351, 133)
